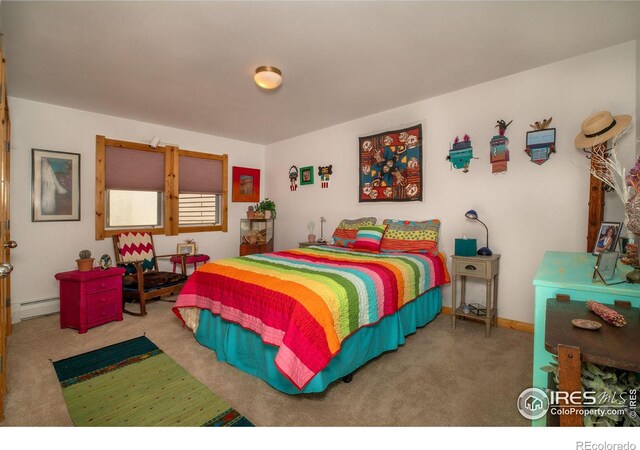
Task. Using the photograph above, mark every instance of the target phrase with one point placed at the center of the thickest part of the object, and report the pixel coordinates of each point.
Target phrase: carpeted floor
(440, 377)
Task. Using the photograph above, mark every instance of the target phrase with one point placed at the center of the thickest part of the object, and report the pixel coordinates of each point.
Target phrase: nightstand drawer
(104, 307)
(474, 268)
(103, 314)
(103, 284)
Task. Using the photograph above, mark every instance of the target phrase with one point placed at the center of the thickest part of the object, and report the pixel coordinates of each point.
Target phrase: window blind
(200, 175)
(134, 170)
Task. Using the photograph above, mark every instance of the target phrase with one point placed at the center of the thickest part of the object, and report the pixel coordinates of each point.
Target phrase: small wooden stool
(191, 259)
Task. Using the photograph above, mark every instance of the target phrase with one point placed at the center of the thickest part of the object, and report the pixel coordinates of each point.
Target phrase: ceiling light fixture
(268, 77)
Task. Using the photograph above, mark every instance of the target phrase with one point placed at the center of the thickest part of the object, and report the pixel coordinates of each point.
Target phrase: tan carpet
(440, 377)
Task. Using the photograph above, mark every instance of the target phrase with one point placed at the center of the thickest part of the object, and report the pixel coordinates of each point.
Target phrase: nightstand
(89, 299)
(309, 244)
(483, 267)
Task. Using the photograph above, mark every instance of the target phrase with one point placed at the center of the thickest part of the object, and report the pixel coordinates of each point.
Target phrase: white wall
(45, 248)
(528, 210)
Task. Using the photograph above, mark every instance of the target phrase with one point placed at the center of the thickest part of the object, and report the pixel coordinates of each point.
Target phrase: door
(5, 243)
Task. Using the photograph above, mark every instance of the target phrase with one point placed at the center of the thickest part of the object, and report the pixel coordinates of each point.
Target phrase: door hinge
(7, 302)
(7, 225)
(7, 147)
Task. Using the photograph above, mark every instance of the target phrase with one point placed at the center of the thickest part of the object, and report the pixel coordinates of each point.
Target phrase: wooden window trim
(171, 226)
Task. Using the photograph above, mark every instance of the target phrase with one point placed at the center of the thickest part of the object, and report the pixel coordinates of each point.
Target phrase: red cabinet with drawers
(89, 299)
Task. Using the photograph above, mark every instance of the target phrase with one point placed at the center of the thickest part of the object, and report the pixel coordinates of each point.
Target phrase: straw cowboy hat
(599, 128)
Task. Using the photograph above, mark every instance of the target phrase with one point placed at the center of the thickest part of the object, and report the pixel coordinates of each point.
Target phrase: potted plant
(85, 263)
(268, 208)
(311, 226)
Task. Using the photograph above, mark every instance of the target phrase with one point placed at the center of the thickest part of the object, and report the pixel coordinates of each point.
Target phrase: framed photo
(55, 186)
(605, 267)
(306, 175)
(245, 185)
(186, 249)
(607, 237)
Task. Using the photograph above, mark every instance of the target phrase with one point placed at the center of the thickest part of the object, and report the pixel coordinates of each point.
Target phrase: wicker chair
(143, 281)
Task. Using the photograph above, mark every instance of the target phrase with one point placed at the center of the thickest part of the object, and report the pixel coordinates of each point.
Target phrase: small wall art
(293, 178)
(55, 186)
(391, 166)
(499, 148)
(306, 175)
(461, 153)
(541, 142)
(325, 172)
(245, 185)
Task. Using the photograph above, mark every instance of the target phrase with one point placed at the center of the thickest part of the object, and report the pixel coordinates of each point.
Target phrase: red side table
(89, 299)
(191, 259)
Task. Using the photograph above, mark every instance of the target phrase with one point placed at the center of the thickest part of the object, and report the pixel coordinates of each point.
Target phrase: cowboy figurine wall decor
(324, 172)
(541, 142)
(461, 153)
(499, 148)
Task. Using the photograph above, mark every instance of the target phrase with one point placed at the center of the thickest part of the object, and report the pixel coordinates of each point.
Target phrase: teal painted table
(571, 274)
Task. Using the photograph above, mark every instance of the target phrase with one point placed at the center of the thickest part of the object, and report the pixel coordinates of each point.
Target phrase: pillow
(410, 236)
(369, 237)
(345, 234)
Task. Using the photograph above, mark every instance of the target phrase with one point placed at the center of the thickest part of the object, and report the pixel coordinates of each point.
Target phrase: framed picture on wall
(245, 185)
(607, 237)
(306, 175)
(55, 186)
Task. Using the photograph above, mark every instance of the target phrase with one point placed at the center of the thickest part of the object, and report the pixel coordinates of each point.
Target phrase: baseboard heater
(35, 308)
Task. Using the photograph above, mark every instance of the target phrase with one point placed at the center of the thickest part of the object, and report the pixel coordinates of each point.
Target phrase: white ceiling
(190, 64)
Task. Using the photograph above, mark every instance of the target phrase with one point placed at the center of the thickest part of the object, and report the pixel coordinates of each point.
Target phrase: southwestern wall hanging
(293, 178)
(461, 153)
(541, 142)
(499, 148)
(391, 166)
(325, 172)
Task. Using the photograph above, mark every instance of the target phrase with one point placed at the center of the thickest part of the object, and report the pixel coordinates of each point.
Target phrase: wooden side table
(89, 299)
(486, 268)
(309, 244)
(191, 259)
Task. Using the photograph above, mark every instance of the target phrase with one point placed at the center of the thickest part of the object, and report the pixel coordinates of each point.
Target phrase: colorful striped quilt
(308, 301)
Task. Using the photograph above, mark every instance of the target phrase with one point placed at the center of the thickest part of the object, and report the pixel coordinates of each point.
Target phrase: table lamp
(484, 251)
(321, 240)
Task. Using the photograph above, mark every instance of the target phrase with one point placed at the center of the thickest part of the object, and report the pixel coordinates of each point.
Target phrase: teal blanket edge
(245, 350)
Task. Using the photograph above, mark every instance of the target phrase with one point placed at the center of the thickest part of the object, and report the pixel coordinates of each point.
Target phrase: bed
(301, 319)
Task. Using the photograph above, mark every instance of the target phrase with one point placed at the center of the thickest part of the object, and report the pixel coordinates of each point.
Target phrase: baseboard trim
(504, 323)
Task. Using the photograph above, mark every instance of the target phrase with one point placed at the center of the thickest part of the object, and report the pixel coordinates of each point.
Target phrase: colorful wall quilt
(391, 166)
(308, 301)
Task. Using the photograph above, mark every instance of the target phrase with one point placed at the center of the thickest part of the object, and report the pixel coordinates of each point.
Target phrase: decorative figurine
(324, 172)
(461, 153)
(499, 148)
(293, 178)
(105, 262)
(541, 142)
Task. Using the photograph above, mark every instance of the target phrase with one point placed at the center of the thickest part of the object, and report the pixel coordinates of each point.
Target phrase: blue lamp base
(484, 251)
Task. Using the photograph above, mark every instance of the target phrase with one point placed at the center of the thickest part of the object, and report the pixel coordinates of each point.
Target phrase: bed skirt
(245, 350)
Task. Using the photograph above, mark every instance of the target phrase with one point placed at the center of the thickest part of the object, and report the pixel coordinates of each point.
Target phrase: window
(131, 209)
(198, 209)
(163, 190)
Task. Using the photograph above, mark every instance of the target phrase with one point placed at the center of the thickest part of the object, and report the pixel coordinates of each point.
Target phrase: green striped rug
(134, 383)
